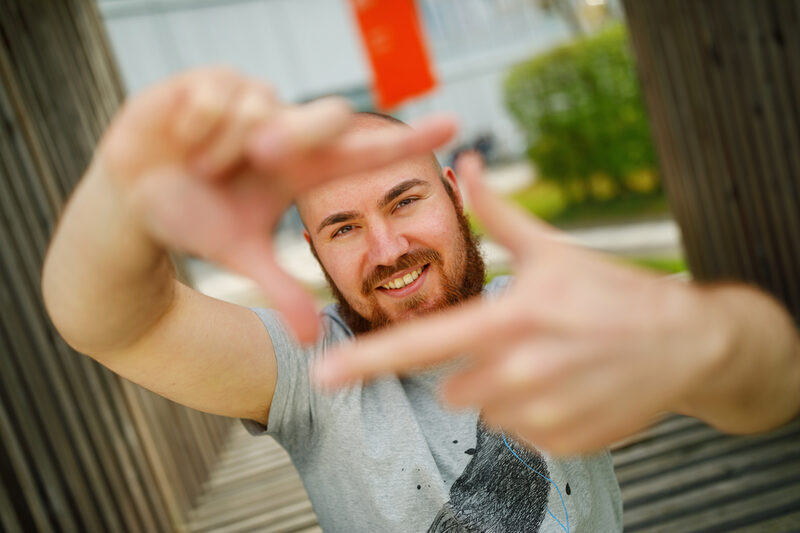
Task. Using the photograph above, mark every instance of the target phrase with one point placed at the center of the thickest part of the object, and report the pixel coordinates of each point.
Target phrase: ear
(450, 177)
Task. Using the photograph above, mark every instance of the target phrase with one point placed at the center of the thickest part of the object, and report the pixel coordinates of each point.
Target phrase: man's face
(393, 244)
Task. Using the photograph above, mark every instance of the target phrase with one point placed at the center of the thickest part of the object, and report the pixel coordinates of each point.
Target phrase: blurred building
(310, 48)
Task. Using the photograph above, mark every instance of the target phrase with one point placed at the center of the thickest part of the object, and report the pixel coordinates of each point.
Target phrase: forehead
(356, 191)
(362, 191)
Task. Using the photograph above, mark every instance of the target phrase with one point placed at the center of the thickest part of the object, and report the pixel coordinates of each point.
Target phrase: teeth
(401, 282)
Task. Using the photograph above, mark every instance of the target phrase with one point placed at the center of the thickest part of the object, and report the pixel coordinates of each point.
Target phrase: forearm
(755, 380)
(104, 280)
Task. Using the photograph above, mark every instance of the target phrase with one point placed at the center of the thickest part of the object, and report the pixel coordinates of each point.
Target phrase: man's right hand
(210, 160)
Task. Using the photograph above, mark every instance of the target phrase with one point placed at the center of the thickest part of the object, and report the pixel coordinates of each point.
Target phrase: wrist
(712, 350)
(754, 370)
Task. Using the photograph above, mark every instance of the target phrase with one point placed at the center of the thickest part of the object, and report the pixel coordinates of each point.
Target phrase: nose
(386, 244)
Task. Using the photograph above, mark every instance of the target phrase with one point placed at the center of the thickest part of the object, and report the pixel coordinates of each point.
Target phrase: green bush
(581, 108)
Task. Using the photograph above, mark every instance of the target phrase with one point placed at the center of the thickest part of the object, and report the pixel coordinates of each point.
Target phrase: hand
(210, 161)
(580, 352)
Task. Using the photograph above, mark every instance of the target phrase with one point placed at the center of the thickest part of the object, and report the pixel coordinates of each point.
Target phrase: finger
(298, 129)
(411, 345)
(255, 259)
(585, 434)
(253, 106)
(512, 227)
(499, 378)
(207, 99)
(359, 151)
(189, 215)
(368, 149)
(539, 412)
(183, 213)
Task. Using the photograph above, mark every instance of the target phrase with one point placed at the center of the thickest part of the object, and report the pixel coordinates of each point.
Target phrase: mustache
(405, 261)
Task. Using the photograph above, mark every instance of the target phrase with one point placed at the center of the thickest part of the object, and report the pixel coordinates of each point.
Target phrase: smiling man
(206, 163)
(385, 455)
(577, 353)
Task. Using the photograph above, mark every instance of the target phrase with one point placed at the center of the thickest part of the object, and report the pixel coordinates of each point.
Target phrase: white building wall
(308, 48)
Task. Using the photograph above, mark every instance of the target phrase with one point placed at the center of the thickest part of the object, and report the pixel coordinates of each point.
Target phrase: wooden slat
(722, 84)
(77, 451)
(694, 484)
(678, 475)
(254, 487)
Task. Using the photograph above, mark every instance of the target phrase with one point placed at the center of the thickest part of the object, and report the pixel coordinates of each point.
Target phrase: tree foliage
(581, 108)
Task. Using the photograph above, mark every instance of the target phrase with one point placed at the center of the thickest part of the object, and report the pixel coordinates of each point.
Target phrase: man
(207, 162)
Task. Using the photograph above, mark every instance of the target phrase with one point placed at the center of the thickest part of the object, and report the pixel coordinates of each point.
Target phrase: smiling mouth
(400, 282)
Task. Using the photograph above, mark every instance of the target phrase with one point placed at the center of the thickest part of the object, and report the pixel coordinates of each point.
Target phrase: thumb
(515, 229)
(255, 259)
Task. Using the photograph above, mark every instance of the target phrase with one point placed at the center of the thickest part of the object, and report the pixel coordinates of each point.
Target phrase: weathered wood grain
(81, 450)
(722, 84)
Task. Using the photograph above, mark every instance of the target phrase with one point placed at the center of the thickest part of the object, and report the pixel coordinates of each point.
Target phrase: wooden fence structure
(83, 450)
(80, 448)
(722, 83)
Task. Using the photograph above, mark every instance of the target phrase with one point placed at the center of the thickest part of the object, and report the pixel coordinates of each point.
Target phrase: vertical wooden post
(722, 83)
(77, 448)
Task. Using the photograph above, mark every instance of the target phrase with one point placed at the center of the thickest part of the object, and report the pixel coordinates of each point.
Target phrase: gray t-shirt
(385, 456)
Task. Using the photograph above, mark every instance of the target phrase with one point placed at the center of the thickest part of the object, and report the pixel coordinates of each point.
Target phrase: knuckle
(254, 107)
(514, 372)
(515, 316)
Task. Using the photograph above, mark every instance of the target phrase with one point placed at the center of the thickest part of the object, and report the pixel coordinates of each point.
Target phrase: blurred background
(546, 90)
(553, 96)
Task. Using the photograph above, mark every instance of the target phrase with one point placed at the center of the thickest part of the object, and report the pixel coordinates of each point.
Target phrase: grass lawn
(547, 201)
(662, 265)
(671, 265)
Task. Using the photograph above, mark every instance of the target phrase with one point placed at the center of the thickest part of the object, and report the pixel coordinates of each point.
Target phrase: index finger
(421, 342)
(350, 152)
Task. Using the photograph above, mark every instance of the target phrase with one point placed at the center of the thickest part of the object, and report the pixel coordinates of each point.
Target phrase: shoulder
(333, 330)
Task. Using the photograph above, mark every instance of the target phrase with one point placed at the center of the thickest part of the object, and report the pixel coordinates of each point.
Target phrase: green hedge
(581, 108)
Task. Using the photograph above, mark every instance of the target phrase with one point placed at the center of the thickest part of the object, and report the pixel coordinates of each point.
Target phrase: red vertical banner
(392, 36)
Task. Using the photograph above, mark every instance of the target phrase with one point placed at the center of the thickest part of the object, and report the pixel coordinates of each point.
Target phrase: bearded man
(578, 352)
(394, 244)
(206, 163)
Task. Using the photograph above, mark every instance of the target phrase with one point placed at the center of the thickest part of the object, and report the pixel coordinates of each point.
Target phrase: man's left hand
(580, 351)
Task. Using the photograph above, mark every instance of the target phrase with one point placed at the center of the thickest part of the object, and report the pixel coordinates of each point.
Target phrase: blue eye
(406, 201)
(343, 230)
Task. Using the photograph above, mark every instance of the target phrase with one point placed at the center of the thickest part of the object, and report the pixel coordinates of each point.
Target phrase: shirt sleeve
(290, 414)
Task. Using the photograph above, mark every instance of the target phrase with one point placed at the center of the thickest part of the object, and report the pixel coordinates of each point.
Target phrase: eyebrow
(399, 189)
(336, 218)
(394, 192)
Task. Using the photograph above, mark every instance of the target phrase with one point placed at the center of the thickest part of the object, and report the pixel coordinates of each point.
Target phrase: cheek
(437, 229)
(343, 269)
(443, 235)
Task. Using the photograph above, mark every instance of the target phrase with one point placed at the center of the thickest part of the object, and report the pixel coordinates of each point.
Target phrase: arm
(583, 350)
(108, 281)
(754, 384)
(204, 163)
(110, 290)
